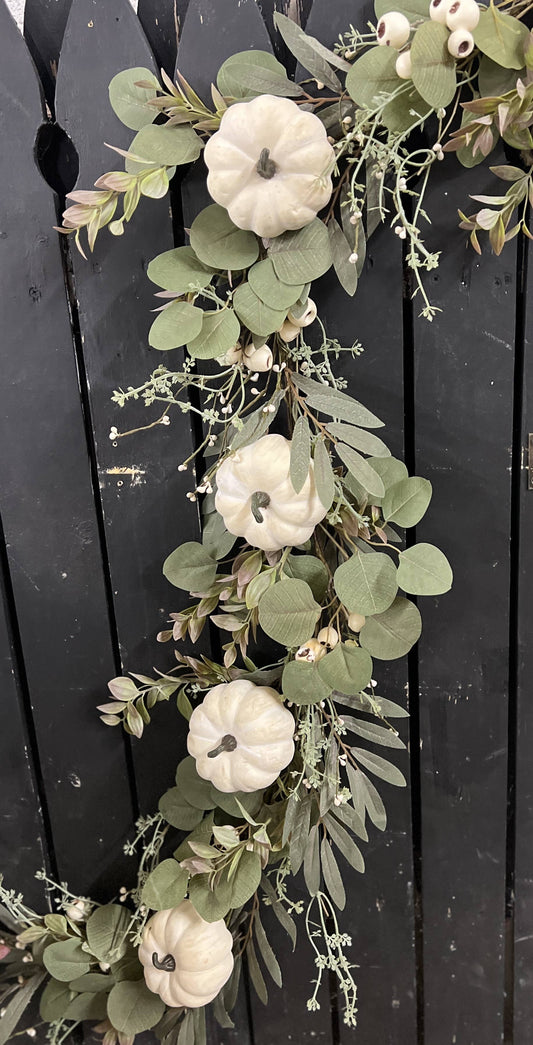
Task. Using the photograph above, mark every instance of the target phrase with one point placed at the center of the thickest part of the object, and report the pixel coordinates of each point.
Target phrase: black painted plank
(523, 885)
(298, 10)
(232, 25)
(161, 21)
(44, 25)
(464, 388)
(46, 502)
(22, 835)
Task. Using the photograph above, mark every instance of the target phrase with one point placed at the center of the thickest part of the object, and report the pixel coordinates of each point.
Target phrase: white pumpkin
(257, 500)
(269, 165)
(186, 960)
(241, 736)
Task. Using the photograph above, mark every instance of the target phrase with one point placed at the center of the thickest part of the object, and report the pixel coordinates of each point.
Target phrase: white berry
(404, 65)
(328, 636)
(356, 621)
(393, 30)
(258, 359)
(462, 14)
(308, 317)
(438, 9)
(460, 43)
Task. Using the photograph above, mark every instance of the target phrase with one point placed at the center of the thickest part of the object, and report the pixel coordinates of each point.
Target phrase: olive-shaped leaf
(300, 453)
(323, 473)
(366, 583)
(380, 766)
(366, 442)
(332, 875)
(424, 570)
(361, 470)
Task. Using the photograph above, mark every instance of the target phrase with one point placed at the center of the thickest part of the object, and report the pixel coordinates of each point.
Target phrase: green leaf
(258, 423)
(302, 684)
(300, 453)
(266, 951)
(406, 502)
(219, 243)
(412, 9)
(190, 567)
(177, 811)
(198, 791)
(246, 880)
(301, 256)
(310, 569)
(340, 405)
(87, 1007)
(370, 731)
(211, 904)
(323, 473)
(288, 612)
(366, 442)
(346, 669)
(341, 252)
(493, 79)
(340, 837)
(434, 74)
(179, 270)
(361, 470)
(17, 1006)
(424, 570)
(129, 101)
(54, 1002)
(380, 767)
(253, 312)
(299, 833)
(264, 282)
(220, 332)
(258, 586)
(391, 471)
(279, 910)
(403, 111)
(229, 803)
(370, 798)
(65, 960)
(186, 1029)
(332, 875)
(393, 633)
(165, 887)
(310, 53)
(347, 814)
(366, 583)
(166, 146)
(178, 323)
(92, 983)
(501, 37)
(106, 933)
(250, 73)
(216, 539)
(373, 75)
(132, 1008)
(312, 861)
(256, 975)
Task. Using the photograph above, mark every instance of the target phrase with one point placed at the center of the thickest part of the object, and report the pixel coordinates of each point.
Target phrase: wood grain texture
(47, 506)
(464, 388)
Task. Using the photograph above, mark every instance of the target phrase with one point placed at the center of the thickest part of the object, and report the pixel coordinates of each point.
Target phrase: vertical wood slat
(44, 25)
(142, 494)
(523, 880)
(46, 502)
(464, 387)
(161, 21)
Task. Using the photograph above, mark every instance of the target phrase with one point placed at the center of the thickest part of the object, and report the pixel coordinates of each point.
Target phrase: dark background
(442, 922)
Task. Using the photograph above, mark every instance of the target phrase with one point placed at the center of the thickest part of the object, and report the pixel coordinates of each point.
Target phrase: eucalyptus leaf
(381, 767)
(179, 270)
(264, 282)
(299, 833)
(216, 539)
(332, 875)
(366, 442)
(250, 73)
(323, 474)
(346, 669)
(65, 960)
(197, 791)
(301, 256)
(412, 9)
(178, 323)
(393, 633)
(246, 879)
(372, 76)
(424, 570)
(310, 53)
(166, 886)
(501, 37)
(229, 803)
(302, 683)
(219, 243)
(190, 567)
(106, 932)
(341, 252)
(166, 146)
(404, 110)
(312, 861)
(129, 101)
(288, 612)
(132, 1008)
(366, 584)
(300, 453)
(211, 904)
(346, 845)
(15, 1009)
(256, 975)
(254, 314)
(92, 983)
(406, 502)
(55, 999)
(493, 79)
(266, 951)
(177, 811)
(220, 332)
(87, 1006)
(433, 67)
(310, 569)
(391, 471)
(361, 470)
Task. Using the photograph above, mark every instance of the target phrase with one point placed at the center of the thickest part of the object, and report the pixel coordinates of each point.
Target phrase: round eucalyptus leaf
(87, 1006)
(197, 790)
(174, 807)
(190, 567)
(302, 256)
(310, 569)
(393, 633)
(264, 282)
(219, 243)
(501, 37)
(177, 324)
(288, 612)
(166, 146)
(406, 502)
(179, 270)
(65, 960)
(372, 75)
(106, 933)
(129, 101)
(424, 570)
(347, 669)
(366, 583)
(55, 999)
(220, 332)
(391, 471)
(250, 73)
(434, 73)
(132, 1008)
(302, 684)
(211, 904)
(258, 317)
(165, 887)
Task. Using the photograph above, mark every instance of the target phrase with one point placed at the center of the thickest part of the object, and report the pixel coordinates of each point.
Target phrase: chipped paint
(135, 474)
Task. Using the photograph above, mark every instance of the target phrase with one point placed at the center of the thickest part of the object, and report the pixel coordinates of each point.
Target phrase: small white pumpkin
(241, 736)
(257, 500)
(269, 165)
(186, 960)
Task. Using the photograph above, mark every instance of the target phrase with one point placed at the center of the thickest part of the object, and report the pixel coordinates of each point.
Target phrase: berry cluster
(460, 16)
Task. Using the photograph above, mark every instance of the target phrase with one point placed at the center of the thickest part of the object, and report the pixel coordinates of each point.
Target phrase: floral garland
(300, 538)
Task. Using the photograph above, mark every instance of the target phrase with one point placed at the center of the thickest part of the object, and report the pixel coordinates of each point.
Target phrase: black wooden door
(442, 922)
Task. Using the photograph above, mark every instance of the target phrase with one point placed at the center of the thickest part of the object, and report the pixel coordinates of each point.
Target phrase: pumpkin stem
(260, 499)
(228, 743)
(265, 167)
(166, 964)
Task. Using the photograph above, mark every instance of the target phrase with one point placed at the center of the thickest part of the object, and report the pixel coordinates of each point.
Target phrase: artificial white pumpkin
(186, 960)
(241, 736)
(257, 500)
(269, 165)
